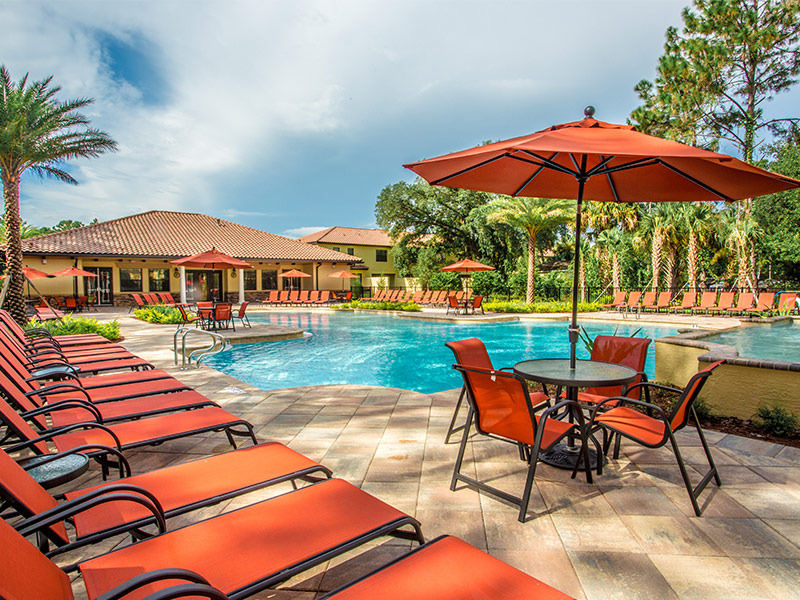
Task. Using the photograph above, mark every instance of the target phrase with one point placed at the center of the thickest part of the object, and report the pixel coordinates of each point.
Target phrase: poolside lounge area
(632, 534)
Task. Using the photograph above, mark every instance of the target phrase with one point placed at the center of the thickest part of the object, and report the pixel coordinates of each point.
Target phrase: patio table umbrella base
(564, 456)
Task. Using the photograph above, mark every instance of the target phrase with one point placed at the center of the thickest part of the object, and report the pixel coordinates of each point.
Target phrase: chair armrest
(64, 405)
(53, 370)
(627, 400)
(658, 386)
(197, 585)
(112, 493)
(52, 433)
(59, 387)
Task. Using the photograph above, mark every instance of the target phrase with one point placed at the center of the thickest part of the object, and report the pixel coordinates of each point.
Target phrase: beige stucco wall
(733, 390)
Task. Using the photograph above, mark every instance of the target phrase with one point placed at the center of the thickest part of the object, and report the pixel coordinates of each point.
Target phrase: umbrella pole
(573, 328)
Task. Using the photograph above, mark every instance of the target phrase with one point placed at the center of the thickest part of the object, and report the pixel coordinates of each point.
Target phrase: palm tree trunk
(691, 260)
(615, 271)
(656, 257)
(14, 301)
(529, 293)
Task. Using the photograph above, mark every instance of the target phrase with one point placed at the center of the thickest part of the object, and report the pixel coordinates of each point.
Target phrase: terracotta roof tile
(176, 234)
(349, 235)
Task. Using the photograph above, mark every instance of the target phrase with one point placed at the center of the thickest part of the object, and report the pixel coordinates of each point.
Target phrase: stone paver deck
(632, 534)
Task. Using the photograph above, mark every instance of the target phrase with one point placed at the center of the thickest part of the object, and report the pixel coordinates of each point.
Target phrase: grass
(404, 306)
(70, 325)
(552, 306)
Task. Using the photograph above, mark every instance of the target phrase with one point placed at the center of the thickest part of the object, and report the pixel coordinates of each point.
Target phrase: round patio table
(55, 472)
(587, 373)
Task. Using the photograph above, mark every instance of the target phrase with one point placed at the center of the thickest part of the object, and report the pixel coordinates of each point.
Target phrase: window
(158, 279)
(350, 251)
(130, 280)
(250, 279)
(380, 255)
(336, 248)
(269, 280)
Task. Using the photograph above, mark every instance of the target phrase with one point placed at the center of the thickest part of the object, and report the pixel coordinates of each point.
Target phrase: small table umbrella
(343, 275)
(604, 162)
(31, 273)
(73, 272)
(467, 266)
(292, 274)
(212, 259)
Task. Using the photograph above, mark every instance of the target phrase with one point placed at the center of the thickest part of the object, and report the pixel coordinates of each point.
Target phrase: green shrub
(70, 325)
(404, 306)
(776, 420)
(489, 283)
(445, 280)
(159, 314)
(554, 306)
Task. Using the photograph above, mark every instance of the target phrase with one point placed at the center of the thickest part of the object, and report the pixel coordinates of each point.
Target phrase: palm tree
(612, 241)
(533, 216)
(39, 133)
(697, 221)
(658, 224)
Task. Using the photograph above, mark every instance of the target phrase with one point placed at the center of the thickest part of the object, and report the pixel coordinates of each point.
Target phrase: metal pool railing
(218, 344)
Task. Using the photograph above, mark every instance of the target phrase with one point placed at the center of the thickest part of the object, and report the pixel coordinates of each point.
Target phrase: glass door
(202, 286)
(100, 289)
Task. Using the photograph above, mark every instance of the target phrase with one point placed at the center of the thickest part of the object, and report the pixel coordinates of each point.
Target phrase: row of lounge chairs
(423, 298)
(298, 297)
(91, 398)
(709, 303)
(152, 299)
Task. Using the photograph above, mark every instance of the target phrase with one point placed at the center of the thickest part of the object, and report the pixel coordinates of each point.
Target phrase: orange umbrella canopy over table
(343, 275)
(604, 162)
(212, 259)
(292, 274)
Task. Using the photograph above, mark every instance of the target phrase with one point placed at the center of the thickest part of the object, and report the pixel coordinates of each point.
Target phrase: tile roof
(166, 234)
(349, 235)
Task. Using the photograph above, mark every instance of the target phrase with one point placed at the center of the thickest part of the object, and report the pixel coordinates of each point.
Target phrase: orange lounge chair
(26, 336)
(271, 297)
(294, 296)
(426, 297)
(657, 431)
(724, 304)
(283, 297)
(446, 567)
(663, 301)
(649, 301)
(619, 300)
(764, 305)
(313, 297)
(502, 408)
(787, 302)
(166, 299)
(176, 489)
(632, 302)
(303, 296)
(707, 301)
(687, 303)
(324, 297)
(744, 303)
(417, 297)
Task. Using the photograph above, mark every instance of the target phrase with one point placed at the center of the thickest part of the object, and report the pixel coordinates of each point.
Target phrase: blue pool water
(777, 342)
(370, 349)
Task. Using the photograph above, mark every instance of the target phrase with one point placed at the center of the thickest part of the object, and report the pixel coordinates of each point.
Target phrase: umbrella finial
(588, 112)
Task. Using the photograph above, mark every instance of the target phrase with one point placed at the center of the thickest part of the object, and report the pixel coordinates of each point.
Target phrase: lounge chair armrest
(64, 405)
(52, 433)
(53, 370)
(124, 465)
(59, 387)
(43, 355)
(42, 344)
(197, 585)
(123, 493)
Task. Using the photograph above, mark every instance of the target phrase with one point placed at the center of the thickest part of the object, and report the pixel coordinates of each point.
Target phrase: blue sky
(292, 116)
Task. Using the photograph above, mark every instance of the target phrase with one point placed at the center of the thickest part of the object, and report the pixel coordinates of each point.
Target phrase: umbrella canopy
(343, 275)
(598, 161)
(213, 259)
(293, 273)
(73, 272)
(31, 273)
(467, 266)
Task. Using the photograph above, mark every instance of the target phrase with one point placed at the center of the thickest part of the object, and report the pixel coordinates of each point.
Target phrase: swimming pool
(780, 341)
(377, 349)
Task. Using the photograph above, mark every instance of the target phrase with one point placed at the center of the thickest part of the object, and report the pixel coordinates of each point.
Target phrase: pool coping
(696, 339)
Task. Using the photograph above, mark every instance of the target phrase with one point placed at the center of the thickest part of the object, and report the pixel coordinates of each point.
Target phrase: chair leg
(706, 449)
(462, 448)
(452, 428)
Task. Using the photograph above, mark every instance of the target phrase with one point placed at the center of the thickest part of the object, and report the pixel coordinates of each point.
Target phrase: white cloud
(297, 232)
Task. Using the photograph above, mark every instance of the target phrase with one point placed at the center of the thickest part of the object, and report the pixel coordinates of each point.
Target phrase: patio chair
(294, 295)
(725, 303)
(272, 297)
(472, 352)
(186, 317)
(627, 351)
(302, 297)
(477, 304)
(242, 315)
(446, 567)
(348, 296)
(452, 305)
(440, 298)
(313, 297)
(664, 298)
(619, 300)
(649, 301)
(687, 303)
(744, 303)
(166, 299)
(133, 502)
(657, 431)
(426, 297)
(765, 302)
(283, 297)
(70, 304)
(223, 316)
(97, 437)
(787, 302)
(417, 297)
(500, 406)
(707, 301)
(137, 302)
(631, 303)
(241, 552)
(324, 297)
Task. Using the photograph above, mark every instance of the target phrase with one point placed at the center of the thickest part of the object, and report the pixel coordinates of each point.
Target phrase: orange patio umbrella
(31, 273)
(467, 266)
(598, 161)
(73, 272)
(293, 273)
(343, 275)
(212, 259)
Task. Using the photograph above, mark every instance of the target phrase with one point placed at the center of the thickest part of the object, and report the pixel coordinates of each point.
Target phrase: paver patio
(632, 534)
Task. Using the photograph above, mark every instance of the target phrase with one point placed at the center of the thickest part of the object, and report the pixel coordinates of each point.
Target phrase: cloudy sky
(292, 116)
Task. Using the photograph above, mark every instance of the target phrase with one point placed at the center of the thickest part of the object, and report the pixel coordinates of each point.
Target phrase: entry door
(203, 285)
(100, 289)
